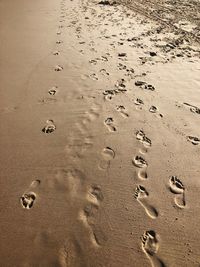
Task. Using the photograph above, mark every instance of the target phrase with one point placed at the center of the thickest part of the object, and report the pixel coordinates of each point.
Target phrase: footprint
(177, 187)
(150, 246)
(103, 58)
(139, 83)
(95, 190)
(53, 90)
(108, 97)
(50, 127)
(144, 85)
(109, 123)
(120, 85)
(139, 102)
(56, 53)
(194, 140)
(195, 110)
(93, 61)
(87, 215)
(104, 72)
(121, 109)
(121, 66)
(153, 109)
(142, 174)
(141, 195)
(58, 68)
(140, 135)
(139, 162)
(122, 54)
(93, 76)
(28, 198)
(108, 154)
(149, 87)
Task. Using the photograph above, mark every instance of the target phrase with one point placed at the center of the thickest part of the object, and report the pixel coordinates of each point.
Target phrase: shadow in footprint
(139, 162)
(109, 123)
(177, 187)
(150, 246)
(58, 68)
(142, 174)
(138, 103)
(28, 198)
(50, 127)
(194, 140)
(122, 109)
(140, 135)
(53, 90)
(141, 195)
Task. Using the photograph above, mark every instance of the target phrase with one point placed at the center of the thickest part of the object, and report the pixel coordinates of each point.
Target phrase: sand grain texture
(100, 134)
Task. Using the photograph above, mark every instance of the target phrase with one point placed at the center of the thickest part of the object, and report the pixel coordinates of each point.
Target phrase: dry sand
(100, 137)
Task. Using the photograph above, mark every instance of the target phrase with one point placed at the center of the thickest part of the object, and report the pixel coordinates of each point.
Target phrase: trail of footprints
(94, 196)
(150, 240)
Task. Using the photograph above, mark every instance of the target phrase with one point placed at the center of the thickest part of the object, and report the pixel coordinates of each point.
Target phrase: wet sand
(99, 137)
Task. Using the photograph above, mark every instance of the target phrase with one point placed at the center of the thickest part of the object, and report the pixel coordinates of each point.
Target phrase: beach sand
(100, 136)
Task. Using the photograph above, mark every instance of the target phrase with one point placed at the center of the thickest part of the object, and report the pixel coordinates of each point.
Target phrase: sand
(99, 135)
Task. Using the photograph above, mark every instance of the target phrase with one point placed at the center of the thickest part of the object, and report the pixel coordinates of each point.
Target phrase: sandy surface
(100, 139)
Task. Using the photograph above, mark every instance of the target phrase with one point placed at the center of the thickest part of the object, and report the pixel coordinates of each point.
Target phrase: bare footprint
(50, 127)
(108, 154)
(139, 162)
(93, 76)
(87, 215)
(93, 61)
(139, 102)
(153, 109)
(56, 53)
(194, 140)
(142, 174)
(109, 123)
(141, 195)
(53, 90)
(140, 135)
(122, 109)
(104, 72)
(150, 246)
(120, 85)
(58, 68)
(177, 187)
(28, 198)
(96, 191)
(149, 87)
